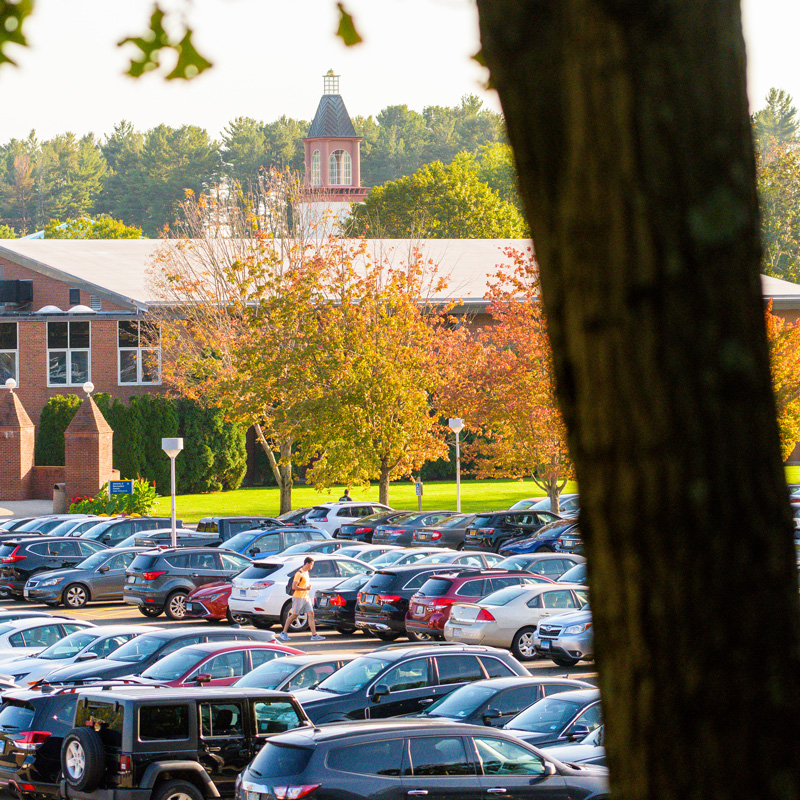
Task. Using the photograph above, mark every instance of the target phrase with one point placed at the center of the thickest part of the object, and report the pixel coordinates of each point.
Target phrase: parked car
(160, 580)
(366, 552)
(402, 758)
(82, 645)
(509, 617)
(494, 530)
(29, 636)
(462, 558)
(295, 517)
(564, 717)
(590, 750)
(429, 608)
(568, 505)
(210, 602)
(214, 663)
(543, 542)
(382, 603)
(292, 673)
(14, 523)
(168, 744)
(137, 655)
(569, 542)
(7, 615)
(23, 557)
(101, 576)
(494, 701)
(551, 565)
(401, 529)
(567, 638)
(271, 541)
(112, 532)
(576, 574)
(228, 527)
(396, 680)
(259, 592)
(449, 532)
(401, 557)
(337, 606)
(326, 546)
(47, 522)
(330, 517)
(75, 527)
(362, 530)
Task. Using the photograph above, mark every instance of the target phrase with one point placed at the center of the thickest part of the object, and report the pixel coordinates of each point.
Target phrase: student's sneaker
(283, 636)
(317, 638)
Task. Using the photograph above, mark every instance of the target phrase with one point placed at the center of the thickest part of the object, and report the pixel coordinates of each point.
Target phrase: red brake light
(294, 792)
(125, 763)
(12, 557)
(261, 584)
(32, 739)
(389, 598)
(151, 576)
(442, 602)
(362, 530)
(338, 600)
(484, 616)
(436, 535)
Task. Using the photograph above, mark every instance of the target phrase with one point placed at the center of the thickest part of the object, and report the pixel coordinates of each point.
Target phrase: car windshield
(94, 560)
(98, 530)
(317, 513)
(438, 558)
(388, 558)
(514, 562)
(69, 646)
(353, 583)
(269, 675)
(576, 574)
(409, 517)
(63, 528)
(171, 667)
(460, 703)
(377, 517)
(354, 676)
(139, 649)
(522, 505)
(549, 715)
(241, 540)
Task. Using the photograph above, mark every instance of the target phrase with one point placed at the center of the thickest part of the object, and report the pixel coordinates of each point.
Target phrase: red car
(214, 663)
(210, 602)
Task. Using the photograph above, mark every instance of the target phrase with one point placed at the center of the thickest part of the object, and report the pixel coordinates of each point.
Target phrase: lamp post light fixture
(88, 387)
(11, 384)
(457, 425)
(172, 447)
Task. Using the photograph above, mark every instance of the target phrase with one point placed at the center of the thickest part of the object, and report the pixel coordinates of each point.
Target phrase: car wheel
(75, 596)
(83, 759)
(461, 546)
(386, 636)
(421, 637)
(346, 630)
(235, 619)
(545, 548)
(147, 611)
(176, 605)
(522, 644)
(299, 624)
(562, 661)
(261, 624)
(177, 790)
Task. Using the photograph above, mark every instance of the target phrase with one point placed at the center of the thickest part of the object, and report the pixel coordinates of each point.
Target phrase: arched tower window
(316, 173)
(340, 168)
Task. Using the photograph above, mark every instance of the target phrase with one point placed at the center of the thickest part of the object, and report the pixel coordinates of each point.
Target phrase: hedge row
(214, 457)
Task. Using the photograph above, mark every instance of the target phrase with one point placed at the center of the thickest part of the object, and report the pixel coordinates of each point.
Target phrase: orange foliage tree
(784, 351)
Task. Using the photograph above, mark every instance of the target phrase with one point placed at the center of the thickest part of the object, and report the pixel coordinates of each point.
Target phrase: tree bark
(281, 471)
(383, 484)
(630, 129)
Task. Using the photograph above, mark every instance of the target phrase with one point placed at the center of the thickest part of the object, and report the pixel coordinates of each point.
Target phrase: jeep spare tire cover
(83, 759)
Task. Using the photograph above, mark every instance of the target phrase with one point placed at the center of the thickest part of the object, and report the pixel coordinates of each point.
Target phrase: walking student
(301, 602)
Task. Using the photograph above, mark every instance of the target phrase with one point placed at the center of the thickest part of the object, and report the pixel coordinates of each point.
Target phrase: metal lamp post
(172, 447)
(457, 425)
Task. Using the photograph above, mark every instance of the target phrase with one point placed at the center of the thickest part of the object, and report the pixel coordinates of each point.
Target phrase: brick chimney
(87, 451)
(16, 449)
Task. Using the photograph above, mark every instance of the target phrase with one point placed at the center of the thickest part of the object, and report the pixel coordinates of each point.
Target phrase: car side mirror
(549, 769)
(426, 702)
(491, 715)
(381, 690)
(104, 568)
(202, 677)
(87, 656)
(578, 732)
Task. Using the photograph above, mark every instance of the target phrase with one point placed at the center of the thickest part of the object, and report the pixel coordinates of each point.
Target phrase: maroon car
(210, 602)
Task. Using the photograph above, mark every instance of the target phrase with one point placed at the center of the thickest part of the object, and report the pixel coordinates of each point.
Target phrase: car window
(555, 688)
(184, 641)
(591, 717)
(458, 669)
(471, 561)
(87, 547)
(417, 581)
(292, 537)
(431, 756)
(269, 543)
(232, 562)
(500, 757)
(409, 675)
(72, 627)
(496, 668)
(369, 758)
(500, 583)
(62, 549)
(323, 569)
(535, 602)
(583, 596)
(559, 599)
(105, 646)
(225, 665)
(348, 568)
(514, 700)
(119, 562)
(206, 562)
(275, 716)
(310, 677)
(221, 720)
(262, 655)
(163, 722)
(41, 636)
(472, 589)
(178, 561)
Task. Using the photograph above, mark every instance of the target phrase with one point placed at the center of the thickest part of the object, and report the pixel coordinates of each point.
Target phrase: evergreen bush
(56, 416)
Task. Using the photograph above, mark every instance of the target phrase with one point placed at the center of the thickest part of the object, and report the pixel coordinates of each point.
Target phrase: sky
(269, 57)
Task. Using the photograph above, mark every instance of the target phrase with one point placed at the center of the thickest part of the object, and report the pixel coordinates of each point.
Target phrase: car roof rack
(399, 645)
(62, 687)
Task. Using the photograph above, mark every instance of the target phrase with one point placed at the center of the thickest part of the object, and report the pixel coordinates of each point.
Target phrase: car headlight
(573, 629)
(51, 582)
(18, 678)
(212, 597)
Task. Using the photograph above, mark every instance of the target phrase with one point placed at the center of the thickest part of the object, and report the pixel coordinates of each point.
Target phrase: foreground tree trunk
(281, 470)
(629, 123)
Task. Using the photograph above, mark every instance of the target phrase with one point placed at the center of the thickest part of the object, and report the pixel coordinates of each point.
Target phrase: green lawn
(475, 496)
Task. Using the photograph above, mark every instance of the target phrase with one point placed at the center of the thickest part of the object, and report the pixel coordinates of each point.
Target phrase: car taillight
(13, 556)
(484, 616)
(322, 519)
(442, 602)
(294, 792)
(262, 584)
(32, 739)
(486, 530)
(125, 763)
(362, 530)
(338, 600)
(151, 576)
(436, 535)
(388, 598)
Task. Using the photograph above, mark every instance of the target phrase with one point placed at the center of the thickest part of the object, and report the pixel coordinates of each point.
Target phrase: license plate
(544, 644)
(26, 592)
(131, 579)
(457, 631)
(242, 592)
(323, 601)
(419, 610)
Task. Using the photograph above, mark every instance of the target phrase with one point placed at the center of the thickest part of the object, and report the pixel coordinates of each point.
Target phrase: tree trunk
(553, 492)
(281, 471)
(630, 128)
(383, 484)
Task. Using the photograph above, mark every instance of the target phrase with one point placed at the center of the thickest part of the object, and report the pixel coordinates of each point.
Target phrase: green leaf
(190, 62)
(347, 30)
(12, 17)
(155, 40)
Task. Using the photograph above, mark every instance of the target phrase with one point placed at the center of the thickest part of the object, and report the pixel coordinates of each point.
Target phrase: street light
(172, 447)
(11, 384)
(457, 425)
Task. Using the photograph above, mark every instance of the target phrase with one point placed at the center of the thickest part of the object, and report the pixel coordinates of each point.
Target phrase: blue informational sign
(419, 488)
(120, 487)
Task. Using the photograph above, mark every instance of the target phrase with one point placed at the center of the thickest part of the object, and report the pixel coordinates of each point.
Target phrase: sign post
(418, 487)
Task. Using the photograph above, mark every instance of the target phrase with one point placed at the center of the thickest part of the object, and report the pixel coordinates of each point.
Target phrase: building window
(8, 351)
(316, 172)
(74, 297)
(68, 353)
(340, 168)
(139, 348)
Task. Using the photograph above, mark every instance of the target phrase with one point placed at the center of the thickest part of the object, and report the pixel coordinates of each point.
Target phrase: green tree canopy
(777, 121)
(85, 228)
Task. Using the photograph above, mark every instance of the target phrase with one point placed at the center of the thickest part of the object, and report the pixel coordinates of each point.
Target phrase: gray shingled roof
(331, 120)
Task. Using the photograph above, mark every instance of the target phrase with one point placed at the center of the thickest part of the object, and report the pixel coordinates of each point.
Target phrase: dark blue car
(543, 542)
(265, 542)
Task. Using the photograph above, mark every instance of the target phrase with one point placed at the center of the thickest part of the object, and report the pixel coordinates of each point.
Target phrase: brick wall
(44, 478)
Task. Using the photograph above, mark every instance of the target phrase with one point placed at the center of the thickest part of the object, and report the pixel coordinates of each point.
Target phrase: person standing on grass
(301, 602)
(345, 498)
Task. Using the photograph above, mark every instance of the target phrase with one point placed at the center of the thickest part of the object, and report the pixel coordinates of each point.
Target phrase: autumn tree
(784, 351)
(85, 228)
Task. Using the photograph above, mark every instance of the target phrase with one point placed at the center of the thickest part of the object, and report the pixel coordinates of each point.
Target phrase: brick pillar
(16, 448)
(87, 451)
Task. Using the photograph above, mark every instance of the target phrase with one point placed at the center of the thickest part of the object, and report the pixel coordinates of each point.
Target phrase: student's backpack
(289, 589)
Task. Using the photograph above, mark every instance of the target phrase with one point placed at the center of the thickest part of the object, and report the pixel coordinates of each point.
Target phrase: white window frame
(139, 350)
(316, 170)
(12, 352)
(340, 168)
(68, 351)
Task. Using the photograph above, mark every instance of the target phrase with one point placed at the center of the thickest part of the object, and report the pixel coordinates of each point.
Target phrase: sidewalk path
(25, 508)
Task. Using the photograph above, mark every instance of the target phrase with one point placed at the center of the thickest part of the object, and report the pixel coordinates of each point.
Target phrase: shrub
(139, 503)
(56, 416)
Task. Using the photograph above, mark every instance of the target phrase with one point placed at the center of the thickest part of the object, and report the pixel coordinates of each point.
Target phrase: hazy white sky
(270, 55)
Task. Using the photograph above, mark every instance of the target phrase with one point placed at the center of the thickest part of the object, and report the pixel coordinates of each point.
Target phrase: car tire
(545, 548)
(261, 624)
(149, 611)
(299, 625)
(522, 644)
(421, 637)
(346, 630)
(75, 596)
(235, 619)
(176, 790)
(386, 636)
(175, 607)
(83, 759)
(562, 661)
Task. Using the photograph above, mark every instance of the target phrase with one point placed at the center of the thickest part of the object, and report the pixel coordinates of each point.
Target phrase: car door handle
(497, 790)
(416, 792)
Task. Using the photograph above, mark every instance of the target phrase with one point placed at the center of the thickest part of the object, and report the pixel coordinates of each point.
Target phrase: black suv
(160, 580)
(22, 557)
(398, 679)
(491, 531)
(228, 527)
(364, 761)
(113, 531)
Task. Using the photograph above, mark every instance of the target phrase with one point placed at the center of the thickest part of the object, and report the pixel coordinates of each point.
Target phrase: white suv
(329, 517)
(259, 592)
